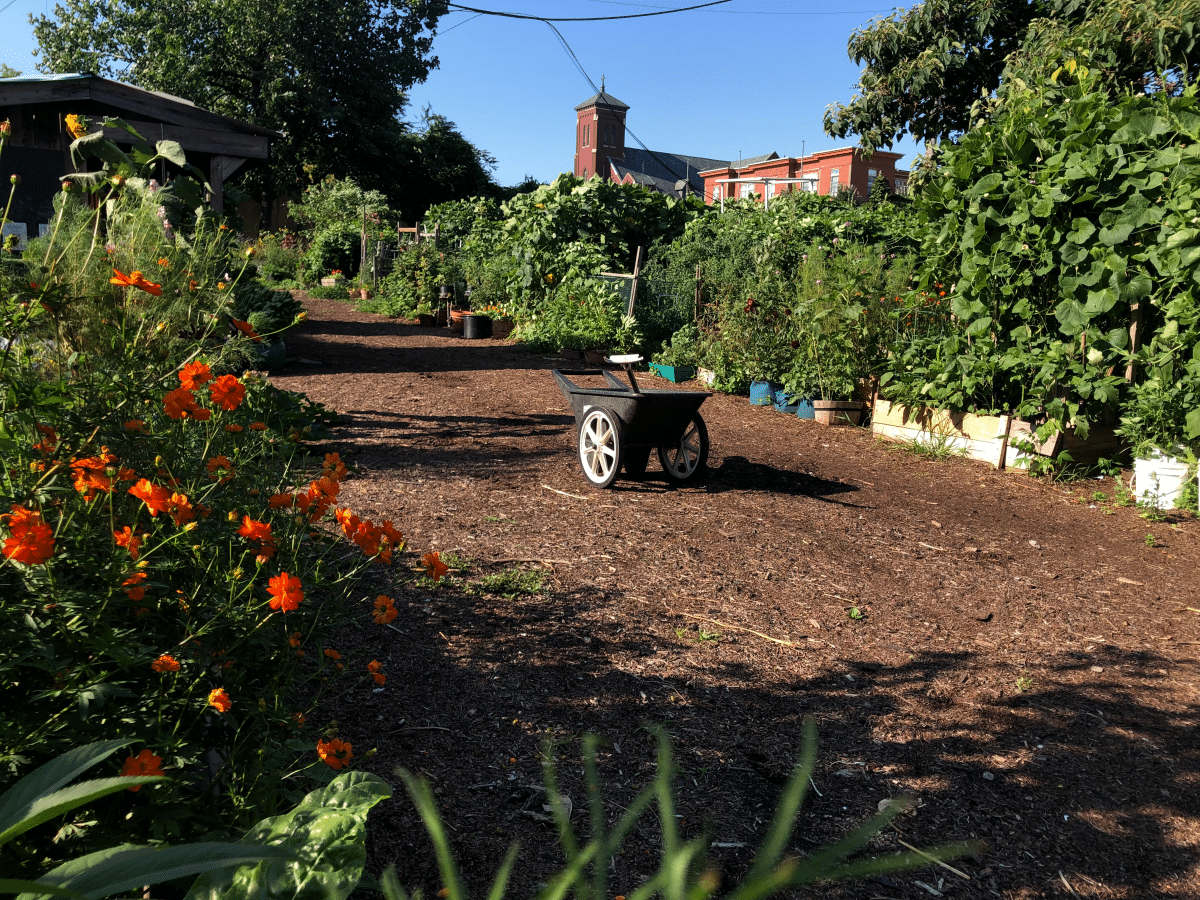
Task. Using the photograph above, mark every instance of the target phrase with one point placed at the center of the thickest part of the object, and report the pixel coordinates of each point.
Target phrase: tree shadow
(1071, 774)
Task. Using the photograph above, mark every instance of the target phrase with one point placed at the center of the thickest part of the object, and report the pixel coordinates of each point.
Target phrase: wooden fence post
(637, 270)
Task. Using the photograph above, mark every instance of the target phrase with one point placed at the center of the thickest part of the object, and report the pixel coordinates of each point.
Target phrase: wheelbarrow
(620, 424)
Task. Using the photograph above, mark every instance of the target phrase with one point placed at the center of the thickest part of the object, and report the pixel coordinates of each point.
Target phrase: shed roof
(195, 128)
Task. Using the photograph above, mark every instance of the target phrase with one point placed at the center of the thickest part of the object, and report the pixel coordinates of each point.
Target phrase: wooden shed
(39, 148)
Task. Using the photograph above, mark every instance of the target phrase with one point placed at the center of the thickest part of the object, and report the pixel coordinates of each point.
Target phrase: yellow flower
(77, 125)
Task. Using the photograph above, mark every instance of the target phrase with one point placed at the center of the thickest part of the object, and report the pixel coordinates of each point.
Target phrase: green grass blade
(591, 779)
(422, 798)
(389, 885)
(50, 777)
(500, 882)
(882, 865)
(49, 806)
(794, 793)
(17, 885)
(127, 868)
(821, 863)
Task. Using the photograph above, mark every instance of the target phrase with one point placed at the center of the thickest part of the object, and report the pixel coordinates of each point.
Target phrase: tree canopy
(331, 76)
(926, 67)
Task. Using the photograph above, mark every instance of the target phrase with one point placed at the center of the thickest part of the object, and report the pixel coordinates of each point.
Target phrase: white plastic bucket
(1158, 481)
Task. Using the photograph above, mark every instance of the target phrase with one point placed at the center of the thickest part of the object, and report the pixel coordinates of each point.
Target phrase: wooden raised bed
(987, 438)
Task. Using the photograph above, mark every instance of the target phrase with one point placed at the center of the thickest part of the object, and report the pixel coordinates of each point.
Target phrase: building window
(745, 190)
(833, 181)
(587, 135)
(902, 186)
(872, 174)
(585, 172)
(716, 193)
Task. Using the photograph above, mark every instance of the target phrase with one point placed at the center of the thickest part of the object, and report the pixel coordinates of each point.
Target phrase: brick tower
(599, 133)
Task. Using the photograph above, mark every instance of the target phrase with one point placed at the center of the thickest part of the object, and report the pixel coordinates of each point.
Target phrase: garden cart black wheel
(635, 462)
(687, 459)
(600, 446)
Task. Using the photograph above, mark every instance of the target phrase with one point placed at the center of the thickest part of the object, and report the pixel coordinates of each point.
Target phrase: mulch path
(1025, 666)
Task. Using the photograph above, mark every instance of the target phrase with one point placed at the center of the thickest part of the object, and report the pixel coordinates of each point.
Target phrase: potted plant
(1160, 422)
(678, 358)
(834, 365)
(333, 279)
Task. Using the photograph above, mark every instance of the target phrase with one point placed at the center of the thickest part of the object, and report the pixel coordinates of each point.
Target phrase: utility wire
(661, 12)
(601, 101)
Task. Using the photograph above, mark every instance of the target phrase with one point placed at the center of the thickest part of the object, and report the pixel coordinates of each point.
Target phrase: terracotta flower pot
(456, 318)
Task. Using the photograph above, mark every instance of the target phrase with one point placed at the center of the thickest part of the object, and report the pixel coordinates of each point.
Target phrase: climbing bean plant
(1056, 224)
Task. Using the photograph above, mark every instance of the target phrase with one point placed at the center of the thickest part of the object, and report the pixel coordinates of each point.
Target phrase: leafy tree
(7, 71)
(439, 165)
(925, 66)
(330, 76)
(929, 68)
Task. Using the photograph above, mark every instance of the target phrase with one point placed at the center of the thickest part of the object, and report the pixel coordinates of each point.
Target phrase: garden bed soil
(1025, 666)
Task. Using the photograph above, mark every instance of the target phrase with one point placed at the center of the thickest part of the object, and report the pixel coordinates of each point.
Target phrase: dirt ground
(1025, 664)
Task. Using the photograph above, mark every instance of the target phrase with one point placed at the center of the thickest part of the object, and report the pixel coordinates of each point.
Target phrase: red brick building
(600, 149)
(827, 172)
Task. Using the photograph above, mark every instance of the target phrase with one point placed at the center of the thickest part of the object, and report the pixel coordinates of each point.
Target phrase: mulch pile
(1014, 654)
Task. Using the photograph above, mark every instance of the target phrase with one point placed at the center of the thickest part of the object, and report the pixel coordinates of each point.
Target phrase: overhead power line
(509, 15)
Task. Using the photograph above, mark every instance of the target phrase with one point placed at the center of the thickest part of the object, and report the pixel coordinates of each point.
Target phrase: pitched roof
(602, 99)
(664, 171)
(122, 99)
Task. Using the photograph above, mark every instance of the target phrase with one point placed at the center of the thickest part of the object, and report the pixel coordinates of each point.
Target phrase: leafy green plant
(682, 350)
(47, 793)
(1025, 683)
(511, 583)
(683, 873)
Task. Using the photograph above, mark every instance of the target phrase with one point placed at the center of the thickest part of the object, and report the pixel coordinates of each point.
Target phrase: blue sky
(743, 78)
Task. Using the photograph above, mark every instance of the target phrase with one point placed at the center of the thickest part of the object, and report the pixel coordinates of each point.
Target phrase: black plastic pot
(477, 326)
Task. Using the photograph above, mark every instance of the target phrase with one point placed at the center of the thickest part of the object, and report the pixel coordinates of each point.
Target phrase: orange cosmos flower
(220, 469)
(165, 663)
(135, 279)
(376, 670)
(258, 426)
(181, 404)
(180, 509)
(281, 501)
(156, 498)
(295, 639)
(194, 374)
(332, 654)
(246, 329)
(285, 591)
(49, 439)
(333, 466)
(335, 753)
(385, 610)
(133, 587)
(136, 425)
(433, 565)
(127, 539)
(91, 473)
(298, 718)
(219, 700)
(227, 392)
(348, 520)
(145, 763)
(31, 540)
(233, 428)
(164, 262)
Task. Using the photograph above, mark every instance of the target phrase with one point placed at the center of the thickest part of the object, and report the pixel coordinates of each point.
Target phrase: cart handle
(627, 361)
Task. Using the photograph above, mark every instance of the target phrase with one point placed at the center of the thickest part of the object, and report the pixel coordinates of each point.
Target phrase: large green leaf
(1192, 424)
(127, 868)
(17, 885)
(17, 801)
(1072, 316)
(326, 832)
(171, 151)
(48, 806)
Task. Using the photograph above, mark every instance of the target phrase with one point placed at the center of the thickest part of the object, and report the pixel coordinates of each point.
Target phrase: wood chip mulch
(1022, 662)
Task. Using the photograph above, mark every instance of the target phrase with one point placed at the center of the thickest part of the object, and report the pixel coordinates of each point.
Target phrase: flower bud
(15, 179)
(68, 186)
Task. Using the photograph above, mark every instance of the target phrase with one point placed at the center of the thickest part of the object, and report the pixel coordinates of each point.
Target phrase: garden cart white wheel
(600, 446)
(687, 459)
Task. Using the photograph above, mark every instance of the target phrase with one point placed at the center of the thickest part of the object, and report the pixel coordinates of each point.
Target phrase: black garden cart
(620, 424)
